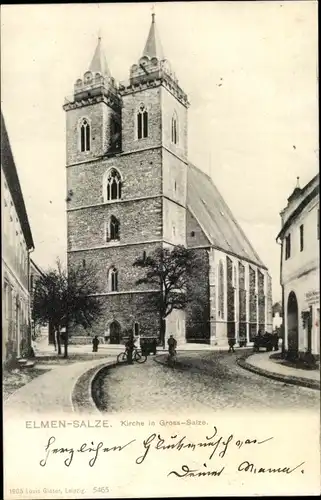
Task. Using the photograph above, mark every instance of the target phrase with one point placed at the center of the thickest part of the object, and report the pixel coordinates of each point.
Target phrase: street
(207, 381)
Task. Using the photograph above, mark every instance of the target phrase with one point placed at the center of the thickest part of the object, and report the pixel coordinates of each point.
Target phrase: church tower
(126, 183)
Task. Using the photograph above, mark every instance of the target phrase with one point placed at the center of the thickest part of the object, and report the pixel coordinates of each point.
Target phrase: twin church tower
(127, 189)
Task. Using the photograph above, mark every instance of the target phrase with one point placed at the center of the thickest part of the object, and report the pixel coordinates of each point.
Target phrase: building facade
(34, 275)
(277, 315)
(132, 189)
(17, 243)
(299, 238)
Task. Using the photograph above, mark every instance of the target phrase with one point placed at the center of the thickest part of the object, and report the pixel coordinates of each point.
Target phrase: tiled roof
(215, 218)
(11, 174)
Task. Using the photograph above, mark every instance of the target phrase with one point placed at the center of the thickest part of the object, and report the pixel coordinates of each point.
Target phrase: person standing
(172, 344)
(130, 346)
(231, 343)
(95, 344)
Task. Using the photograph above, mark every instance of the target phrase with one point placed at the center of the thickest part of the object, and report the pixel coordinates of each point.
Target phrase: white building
(299, 238)
(277, 316)
(17, 243)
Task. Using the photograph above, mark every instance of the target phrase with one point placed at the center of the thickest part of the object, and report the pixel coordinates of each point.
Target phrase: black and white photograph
(160, 245)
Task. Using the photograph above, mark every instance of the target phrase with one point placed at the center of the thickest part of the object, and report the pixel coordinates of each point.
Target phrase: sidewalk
(43, 348)
(51, 392)
(262, 364)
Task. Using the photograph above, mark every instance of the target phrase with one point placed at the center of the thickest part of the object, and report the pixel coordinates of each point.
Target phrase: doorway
(293, 326)
(114, 331)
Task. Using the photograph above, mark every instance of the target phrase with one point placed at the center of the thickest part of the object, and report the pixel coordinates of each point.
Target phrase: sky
(254, 134)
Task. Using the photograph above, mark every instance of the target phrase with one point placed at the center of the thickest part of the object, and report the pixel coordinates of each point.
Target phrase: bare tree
(169, 270)
(64, 299)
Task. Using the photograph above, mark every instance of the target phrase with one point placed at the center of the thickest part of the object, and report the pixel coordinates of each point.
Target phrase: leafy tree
(168, 270)
(63, 299)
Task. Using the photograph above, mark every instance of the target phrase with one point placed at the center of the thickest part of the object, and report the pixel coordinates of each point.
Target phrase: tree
(169, 270)
(63, 299)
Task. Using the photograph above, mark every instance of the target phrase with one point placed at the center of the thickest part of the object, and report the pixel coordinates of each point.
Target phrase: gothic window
(84, 135)
(113, 228)
(113, 186)
(144, 255)
(113, 280)
(174, 129)
(221, 290)
(142, 122)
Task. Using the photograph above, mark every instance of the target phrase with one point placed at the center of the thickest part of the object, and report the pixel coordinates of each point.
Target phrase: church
(131, 189)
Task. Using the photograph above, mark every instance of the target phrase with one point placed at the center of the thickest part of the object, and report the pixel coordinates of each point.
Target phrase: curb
(82, 394)
(303, 382)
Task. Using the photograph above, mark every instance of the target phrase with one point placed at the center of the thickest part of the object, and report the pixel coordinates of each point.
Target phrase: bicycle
(137, 356)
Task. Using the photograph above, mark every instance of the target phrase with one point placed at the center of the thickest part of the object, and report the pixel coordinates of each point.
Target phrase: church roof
(99, 61)
(215, 218)
(153, 47)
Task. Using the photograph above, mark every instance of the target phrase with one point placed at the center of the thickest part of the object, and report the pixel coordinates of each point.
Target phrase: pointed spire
(99, 62)
(153, 47)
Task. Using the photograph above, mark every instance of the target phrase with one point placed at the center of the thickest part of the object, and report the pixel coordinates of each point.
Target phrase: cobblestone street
(207, 381)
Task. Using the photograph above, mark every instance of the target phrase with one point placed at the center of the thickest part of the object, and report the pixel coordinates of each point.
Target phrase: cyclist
(172, 343)
(130, 346)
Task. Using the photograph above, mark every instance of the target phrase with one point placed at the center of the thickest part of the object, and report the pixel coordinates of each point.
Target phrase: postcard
(160, 250)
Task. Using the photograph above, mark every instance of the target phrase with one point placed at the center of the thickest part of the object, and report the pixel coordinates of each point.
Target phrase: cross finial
(99, 34)
(298, 182)
(153, 13)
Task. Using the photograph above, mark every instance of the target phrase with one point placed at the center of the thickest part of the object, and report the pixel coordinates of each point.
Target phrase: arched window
(174, 129)
(84, 135)
(113, 229)
(142, 122)
(113, 280)
(221, 290)
(113, 186)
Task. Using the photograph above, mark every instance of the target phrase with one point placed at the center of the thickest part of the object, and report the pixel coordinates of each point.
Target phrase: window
(174, 129)
(136, 329)
(144, 255)
(221, 290)
(288, 246)
(6, 300)
(113, 280)
(113, 228)
(84, 136)
(114, 185)
(83, 263)
(142, 122)
(301, 237)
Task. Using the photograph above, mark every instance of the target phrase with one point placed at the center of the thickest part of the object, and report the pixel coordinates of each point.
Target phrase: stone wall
(242, 302)
(253, 303)
(198, 310)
